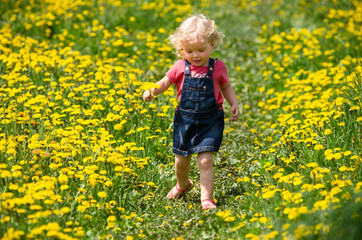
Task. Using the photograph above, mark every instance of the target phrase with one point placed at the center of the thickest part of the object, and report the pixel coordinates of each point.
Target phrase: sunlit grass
(83, 157)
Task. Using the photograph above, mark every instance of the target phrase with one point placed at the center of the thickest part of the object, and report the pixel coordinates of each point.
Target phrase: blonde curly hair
(193, 28)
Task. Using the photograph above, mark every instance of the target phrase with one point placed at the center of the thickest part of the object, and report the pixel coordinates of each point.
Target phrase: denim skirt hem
(195, 150)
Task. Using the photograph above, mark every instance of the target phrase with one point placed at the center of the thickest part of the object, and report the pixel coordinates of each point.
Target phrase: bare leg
(205, 163)
(182, 170)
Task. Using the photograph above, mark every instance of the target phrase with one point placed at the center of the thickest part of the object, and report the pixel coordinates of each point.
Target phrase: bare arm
(229, 94)
(164, 84)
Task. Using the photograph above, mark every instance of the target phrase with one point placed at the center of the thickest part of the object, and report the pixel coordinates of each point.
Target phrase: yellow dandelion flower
(327, 132)
(102, 194)
(303, 210)
(354, 157)
(318, 147)
(62, 178)
(354, 108)
(268, 194)
(252, 236)
(337, 156)
(347, 153)
(229, 219)
(5, 174)
(293, 214)
(263, 220)
(187, 224)
(285, 226)
(65, 210)
(335, 191)
(329, 154)
(312, 165)
(81, 208)
(343, 169)
(111, 218)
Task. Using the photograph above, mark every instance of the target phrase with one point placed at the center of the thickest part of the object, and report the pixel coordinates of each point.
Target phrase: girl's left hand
(235, 113)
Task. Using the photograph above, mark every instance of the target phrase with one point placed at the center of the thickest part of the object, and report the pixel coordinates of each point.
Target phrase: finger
(232, 119)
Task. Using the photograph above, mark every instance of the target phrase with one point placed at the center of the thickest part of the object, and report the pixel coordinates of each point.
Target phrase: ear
(181, 52)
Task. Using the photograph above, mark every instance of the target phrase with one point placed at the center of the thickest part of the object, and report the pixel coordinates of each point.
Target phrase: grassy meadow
(83, 157)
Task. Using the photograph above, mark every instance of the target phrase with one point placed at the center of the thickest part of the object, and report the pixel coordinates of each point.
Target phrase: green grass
(83, 157)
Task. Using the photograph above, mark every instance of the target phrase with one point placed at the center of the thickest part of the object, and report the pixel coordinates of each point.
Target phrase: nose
(196, 54)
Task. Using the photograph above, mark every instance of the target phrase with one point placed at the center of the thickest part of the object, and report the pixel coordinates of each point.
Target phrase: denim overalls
(198, 120)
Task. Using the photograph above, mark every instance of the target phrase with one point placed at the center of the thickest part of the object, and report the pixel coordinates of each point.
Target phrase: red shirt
(220, 76)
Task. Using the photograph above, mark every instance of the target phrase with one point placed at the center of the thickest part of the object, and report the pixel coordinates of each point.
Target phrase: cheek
(205, 54)
(188, 55)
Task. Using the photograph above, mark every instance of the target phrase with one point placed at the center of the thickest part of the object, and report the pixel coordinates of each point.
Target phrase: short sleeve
(221, 72)
(176, 72)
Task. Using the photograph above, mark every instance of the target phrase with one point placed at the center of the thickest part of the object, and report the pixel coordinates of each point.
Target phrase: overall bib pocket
(196, 93)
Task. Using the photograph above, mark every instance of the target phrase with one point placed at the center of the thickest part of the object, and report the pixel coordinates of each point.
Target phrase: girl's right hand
(147, 95)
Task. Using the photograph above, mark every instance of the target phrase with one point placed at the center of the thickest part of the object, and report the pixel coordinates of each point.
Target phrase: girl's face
(198, 52)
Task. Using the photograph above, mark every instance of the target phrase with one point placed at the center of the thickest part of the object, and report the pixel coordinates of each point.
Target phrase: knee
(181, 165)
(182, 162)
(205, 163)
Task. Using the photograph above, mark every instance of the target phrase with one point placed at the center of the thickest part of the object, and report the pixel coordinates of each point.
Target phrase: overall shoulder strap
(211, 67)
(187, 68)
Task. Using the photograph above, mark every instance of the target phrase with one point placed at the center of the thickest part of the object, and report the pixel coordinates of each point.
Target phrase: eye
(201, 50)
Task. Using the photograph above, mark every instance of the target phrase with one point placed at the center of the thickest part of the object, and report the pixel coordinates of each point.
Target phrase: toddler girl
(201, 83)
